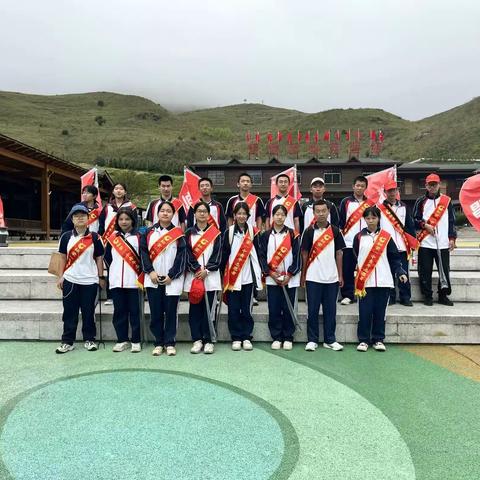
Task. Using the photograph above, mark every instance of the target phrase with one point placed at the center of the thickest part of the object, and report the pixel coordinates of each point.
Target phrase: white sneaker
(91, 346)
(236, 345)
(197, 347)
(362, 347)
(120, 347)
(255, 302)
(276, 345)
(157, 351)
(64, 348)
(345, 301)
(287, 345)
(333, 346)
(247, 345)
(311, 346)
(108, 302)
(171, 351)
(136, 348)
(379, 347)
(208, 348)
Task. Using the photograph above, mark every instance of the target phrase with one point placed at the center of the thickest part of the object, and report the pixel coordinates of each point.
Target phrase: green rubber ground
(239, 415)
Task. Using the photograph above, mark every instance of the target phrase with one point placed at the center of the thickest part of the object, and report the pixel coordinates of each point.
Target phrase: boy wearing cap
(317, 189)
(82, 264)
(398, 222)
(435, 219)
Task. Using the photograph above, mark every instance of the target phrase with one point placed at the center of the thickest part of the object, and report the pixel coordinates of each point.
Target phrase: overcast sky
(413, 58)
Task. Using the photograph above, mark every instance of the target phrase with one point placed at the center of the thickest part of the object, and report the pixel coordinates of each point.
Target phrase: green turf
(341, 415)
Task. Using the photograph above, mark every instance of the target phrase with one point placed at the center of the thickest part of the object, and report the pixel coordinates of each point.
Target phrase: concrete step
(40, 285)
(41, 320)
(16, 258)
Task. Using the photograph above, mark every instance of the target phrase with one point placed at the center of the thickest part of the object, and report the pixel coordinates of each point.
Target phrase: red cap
(390, 185)
(433, 177)
(197, 291)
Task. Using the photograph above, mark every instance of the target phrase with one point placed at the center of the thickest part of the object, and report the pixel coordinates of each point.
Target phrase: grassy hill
(126, 131)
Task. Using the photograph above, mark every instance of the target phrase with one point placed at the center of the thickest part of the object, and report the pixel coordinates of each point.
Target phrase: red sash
(357, 215)
(250, 200)
(94, 215)
(129, 255)
(435, 217)
(282, 251)
(110, 229)
(232, 272)
(205, 240)
(77, 250)
(289, 202)
(177, 203)
(368, 266)
(411, 243)
(320, 244)
(212, 221)
(164, 241)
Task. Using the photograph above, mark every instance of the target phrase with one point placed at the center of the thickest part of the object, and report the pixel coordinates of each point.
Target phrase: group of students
(218, 256)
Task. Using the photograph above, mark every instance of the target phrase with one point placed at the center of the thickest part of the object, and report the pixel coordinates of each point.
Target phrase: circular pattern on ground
(145, 424)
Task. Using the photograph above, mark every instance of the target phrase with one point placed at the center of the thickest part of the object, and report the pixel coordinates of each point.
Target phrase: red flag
(347, 135)
(326, 136)
(337, 135)
(289, 138)
(299, 136)
(316, 137)
(380, 136)
(2, 218)
(470, 200)
(307, 137)
(247, 137)
(294, 190)
(373, 135)
(376, 182)
(269, 137)
(189, 193)
(257, 137)
(359, 135)
(279, 136)
(91, 178)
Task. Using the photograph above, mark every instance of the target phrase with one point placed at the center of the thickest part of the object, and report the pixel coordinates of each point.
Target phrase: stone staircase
(31, 307)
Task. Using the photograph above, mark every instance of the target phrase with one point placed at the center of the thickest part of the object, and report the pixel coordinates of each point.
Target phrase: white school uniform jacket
(324, 268)
(152, 212)
(120, 273)
(294, 212)
(347, 206)
(172, 261)
(84, 270)
(210, 259)
(308, 216)
(269, 244)
(109, 214)
(382, 274)
(257, 210)
(232, 241)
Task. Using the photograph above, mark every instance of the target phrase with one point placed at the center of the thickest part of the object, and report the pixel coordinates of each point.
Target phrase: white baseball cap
(317, 179)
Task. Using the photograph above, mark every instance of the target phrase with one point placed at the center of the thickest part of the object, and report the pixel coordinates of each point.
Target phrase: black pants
(126, 305)
(371, 310)
(280, 322)
(163, 316)
(240, 320)
(78, 298)
(404, 289)
(349, 264)
(324, 295)
(198, 319)
(426, 256)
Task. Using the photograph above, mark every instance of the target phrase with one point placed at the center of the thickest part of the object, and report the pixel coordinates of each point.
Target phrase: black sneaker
(428, 302)
(445, 301)
(406, 303)
(392, 301)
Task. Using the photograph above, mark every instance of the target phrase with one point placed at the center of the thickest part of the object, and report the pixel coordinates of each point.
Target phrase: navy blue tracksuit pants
(404, 289)
(78, 297)
(198, 319)
(280, 322)
(324, 295)
(163, 316)
(348, 267)
(240, 320)
(371, 310)
(126, 305)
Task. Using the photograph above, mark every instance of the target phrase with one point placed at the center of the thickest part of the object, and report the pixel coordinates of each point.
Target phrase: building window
(217, 177)
(256, 176)
(333, 178)
(408, 186)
